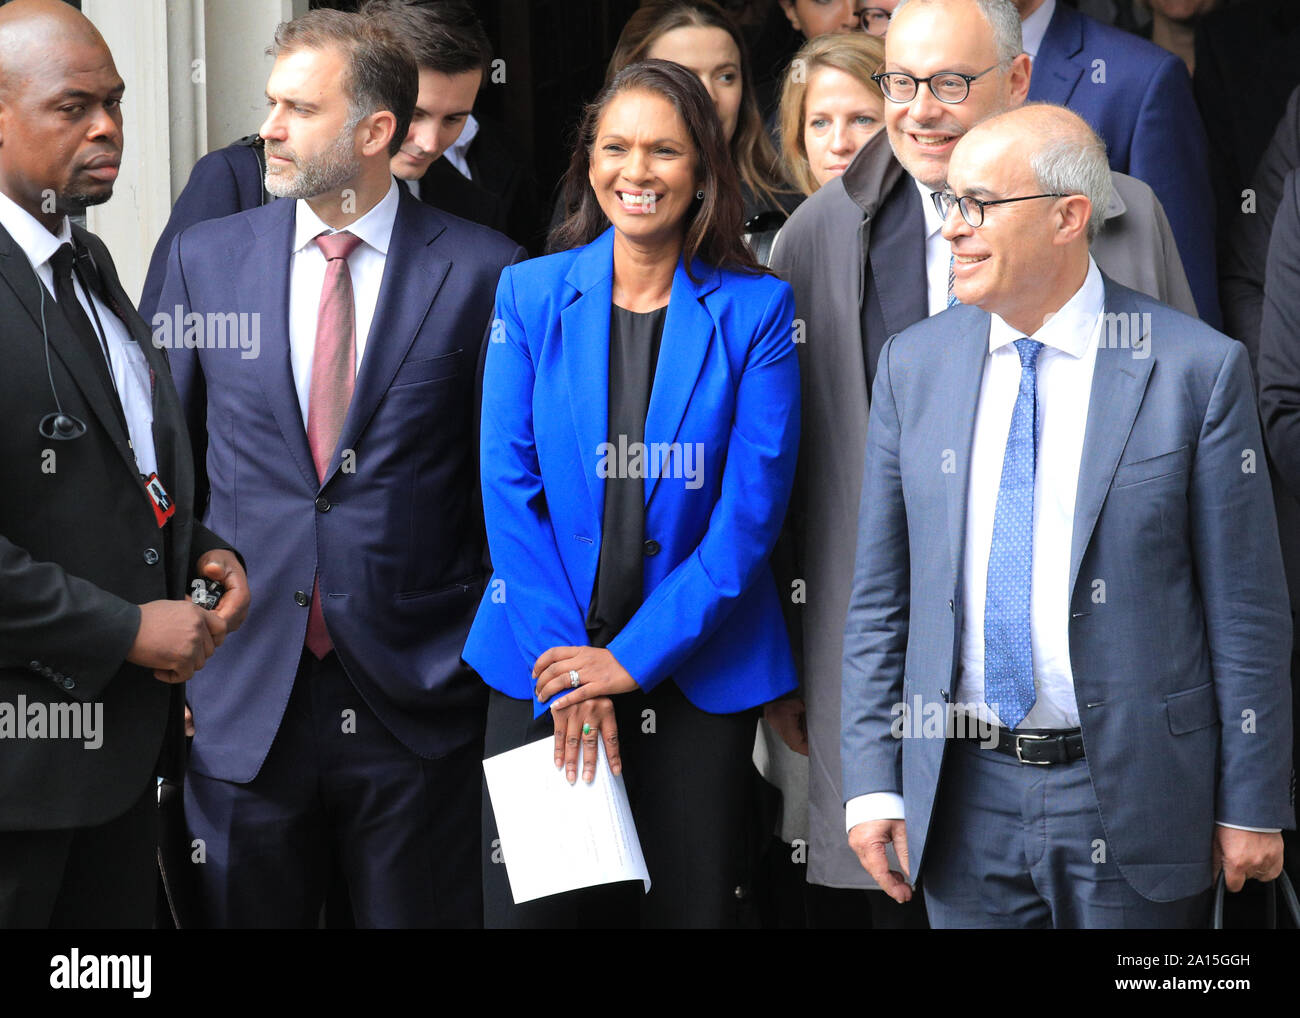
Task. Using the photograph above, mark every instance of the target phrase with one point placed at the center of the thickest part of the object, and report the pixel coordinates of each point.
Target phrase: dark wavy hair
(714, 224)
(756, 159)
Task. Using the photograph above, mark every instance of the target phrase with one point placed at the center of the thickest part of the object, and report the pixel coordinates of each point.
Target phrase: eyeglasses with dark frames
(972, 208)
(949, 87)
(874, 20)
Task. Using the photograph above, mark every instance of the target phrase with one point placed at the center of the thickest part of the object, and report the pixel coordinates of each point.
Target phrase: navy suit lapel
(965, 366)
(413, 275)
(688, 331)
(1119, 382)
(1057, 69)
(262, 284)
(18, 273)
(584, 349)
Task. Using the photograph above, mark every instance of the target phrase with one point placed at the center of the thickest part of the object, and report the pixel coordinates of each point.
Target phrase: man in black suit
(1244, 255)
(451, 52)
(1279, 402)
(98, 542)
(1243, 49)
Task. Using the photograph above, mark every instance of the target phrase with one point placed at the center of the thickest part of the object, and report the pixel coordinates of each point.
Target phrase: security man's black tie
(66, 293)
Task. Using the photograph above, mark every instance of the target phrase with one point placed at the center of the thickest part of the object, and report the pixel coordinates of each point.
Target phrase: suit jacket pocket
(1192, 709)
(431, 369)
(452, 595)
(1152, 467)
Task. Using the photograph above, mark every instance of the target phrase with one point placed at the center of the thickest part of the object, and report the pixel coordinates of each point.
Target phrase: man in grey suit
(866, 260)
(1066, 698)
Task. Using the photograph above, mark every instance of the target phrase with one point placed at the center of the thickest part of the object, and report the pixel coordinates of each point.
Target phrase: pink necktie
(333, 374)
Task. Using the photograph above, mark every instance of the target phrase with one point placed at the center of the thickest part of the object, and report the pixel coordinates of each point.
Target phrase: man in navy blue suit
(340, 441)
(1138, 98)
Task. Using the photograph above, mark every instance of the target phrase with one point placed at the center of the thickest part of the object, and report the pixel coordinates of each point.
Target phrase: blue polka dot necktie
(1008, 647)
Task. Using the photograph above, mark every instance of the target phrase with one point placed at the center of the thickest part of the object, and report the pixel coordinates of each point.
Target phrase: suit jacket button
(322, 504)
(950, 608)
(150, 557)
(301, 599)
(34, 666)
(651, 547)
(66, 682)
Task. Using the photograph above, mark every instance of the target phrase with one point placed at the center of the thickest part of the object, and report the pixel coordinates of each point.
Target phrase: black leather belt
(1038, 746)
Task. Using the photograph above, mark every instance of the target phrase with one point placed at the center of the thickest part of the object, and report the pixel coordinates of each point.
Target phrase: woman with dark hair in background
(699, 35)
(640, 427)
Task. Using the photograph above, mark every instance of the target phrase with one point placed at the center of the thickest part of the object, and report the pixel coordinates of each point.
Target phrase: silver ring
(573, 679)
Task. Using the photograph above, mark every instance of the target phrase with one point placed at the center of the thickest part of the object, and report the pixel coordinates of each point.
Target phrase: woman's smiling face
(643, 167)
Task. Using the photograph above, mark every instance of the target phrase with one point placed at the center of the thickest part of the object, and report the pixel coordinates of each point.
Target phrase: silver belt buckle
(1033, 763)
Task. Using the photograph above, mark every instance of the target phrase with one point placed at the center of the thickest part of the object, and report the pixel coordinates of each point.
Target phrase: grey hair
(1076, 164)
(1004, 18)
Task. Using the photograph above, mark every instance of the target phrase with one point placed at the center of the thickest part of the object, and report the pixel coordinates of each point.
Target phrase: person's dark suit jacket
(222, 183)
(1245, 255)
(445, 187)
(80, 549)
(1139, 99)
(1279, 385)
(495, 165)
(1246, 67)
(395, 531)
(230, 180)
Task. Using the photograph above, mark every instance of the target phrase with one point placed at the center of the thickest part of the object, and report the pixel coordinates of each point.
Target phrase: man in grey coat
(1066, 695)
(866, 260)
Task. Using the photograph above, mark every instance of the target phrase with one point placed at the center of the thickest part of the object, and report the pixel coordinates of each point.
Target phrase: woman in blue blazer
(640, 426)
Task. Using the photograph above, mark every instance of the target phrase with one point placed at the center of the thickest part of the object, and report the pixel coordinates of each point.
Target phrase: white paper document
(556, 836)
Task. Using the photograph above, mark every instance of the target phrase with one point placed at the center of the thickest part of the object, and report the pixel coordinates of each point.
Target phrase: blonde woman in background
(830, 106)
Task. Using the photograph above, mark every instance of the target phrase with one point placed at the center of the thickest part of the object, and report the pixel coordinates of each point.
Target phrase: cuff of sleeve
(872, 806)
(1257, 830)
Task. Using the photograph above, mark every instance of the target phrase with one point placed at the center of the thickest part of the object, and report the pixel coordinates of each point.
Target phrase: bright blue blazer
(727, 388)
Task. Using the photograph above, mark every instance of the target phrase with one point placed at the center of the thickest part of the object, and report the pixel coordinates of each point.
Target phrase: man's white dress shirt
(130, 370)
(307, 277)
(458, 151)
(1034, 27)
(938, 253)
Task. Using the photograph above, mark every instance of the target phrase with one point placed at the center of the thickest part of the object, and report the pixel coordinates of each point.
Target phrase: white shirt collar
(37, 243)
(933, 221)
(1071, 329)
(374, 228)
(458, 151)
(1034, 27)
